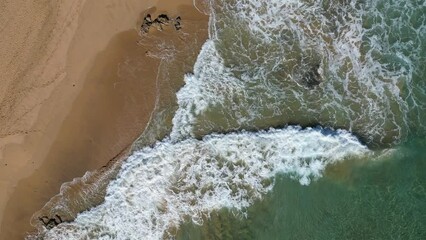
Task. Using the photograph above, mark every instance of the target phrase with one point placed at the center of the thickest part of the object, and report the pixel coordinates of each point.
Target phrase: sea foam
(159, 186)
(250, 71)
(263, 56)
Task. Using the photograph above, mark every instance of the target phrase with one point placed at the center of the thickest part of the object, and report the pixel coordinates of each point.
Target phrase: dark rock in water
(312, 77)
(50, 223)
(59, 218)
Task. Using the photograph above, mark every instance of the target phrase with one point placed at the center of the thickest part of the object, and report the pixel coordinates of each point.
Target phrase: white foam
(181, 176)
(209, 85)
(160, 185)
(359, 91)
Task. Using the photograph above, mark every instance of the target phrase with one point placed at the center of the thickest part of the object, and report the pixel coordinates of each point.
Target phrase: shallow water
(379, 199)
(347, 64)
(246, 158)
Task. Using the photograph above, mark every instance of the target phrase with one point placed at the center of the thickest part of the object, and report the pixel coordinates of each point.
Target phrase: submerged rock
(312, 77)
(50, 223)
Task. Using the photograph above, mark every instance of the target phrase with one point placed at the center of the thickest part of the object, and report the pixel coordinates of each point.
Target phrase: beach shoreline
(95, 108)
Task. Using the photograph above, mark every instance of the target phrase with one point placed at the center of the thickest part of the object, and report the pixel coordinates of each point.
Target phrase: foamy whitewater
(337, 63)
(157, 187)
(266, 64)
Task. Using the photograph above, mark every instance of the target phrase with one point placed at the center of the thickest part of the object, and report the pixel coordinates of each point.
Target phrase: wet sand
(79, 96)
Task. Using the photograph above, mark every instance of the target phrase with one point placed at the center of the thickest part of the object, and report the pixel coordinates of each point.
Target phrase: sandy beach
(78, 86)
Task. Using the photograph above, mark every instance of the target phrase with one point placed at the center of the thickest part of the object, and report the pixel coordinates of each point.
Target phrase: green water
(378, 199)
(379, 95)
(355, 65)
(369, 59)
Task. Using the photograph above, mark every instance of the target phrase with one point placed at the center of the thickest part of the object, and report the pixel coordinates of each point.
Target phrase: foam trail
(335, 63)
(158, 186)
(202, 90)
(271, 62)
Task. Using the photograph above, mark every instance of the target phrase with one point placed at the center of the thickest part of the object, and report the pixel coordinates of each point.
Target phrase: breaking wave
(159, 186)
(356, 65)
(270, 63)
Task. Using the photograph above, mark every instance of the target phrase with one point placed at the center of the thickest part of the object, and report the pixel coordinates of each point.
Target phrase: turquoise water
(379, 199)
(374, 84)
(302, 119)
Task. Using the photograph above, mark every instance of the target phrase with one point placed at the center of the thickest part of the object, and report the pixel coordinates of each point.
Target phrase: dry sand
(76, 90)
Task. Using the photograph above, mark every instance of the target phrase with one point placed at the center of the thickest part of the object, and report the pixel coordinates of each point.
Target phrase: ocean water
(382, 198)
(302, 119)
